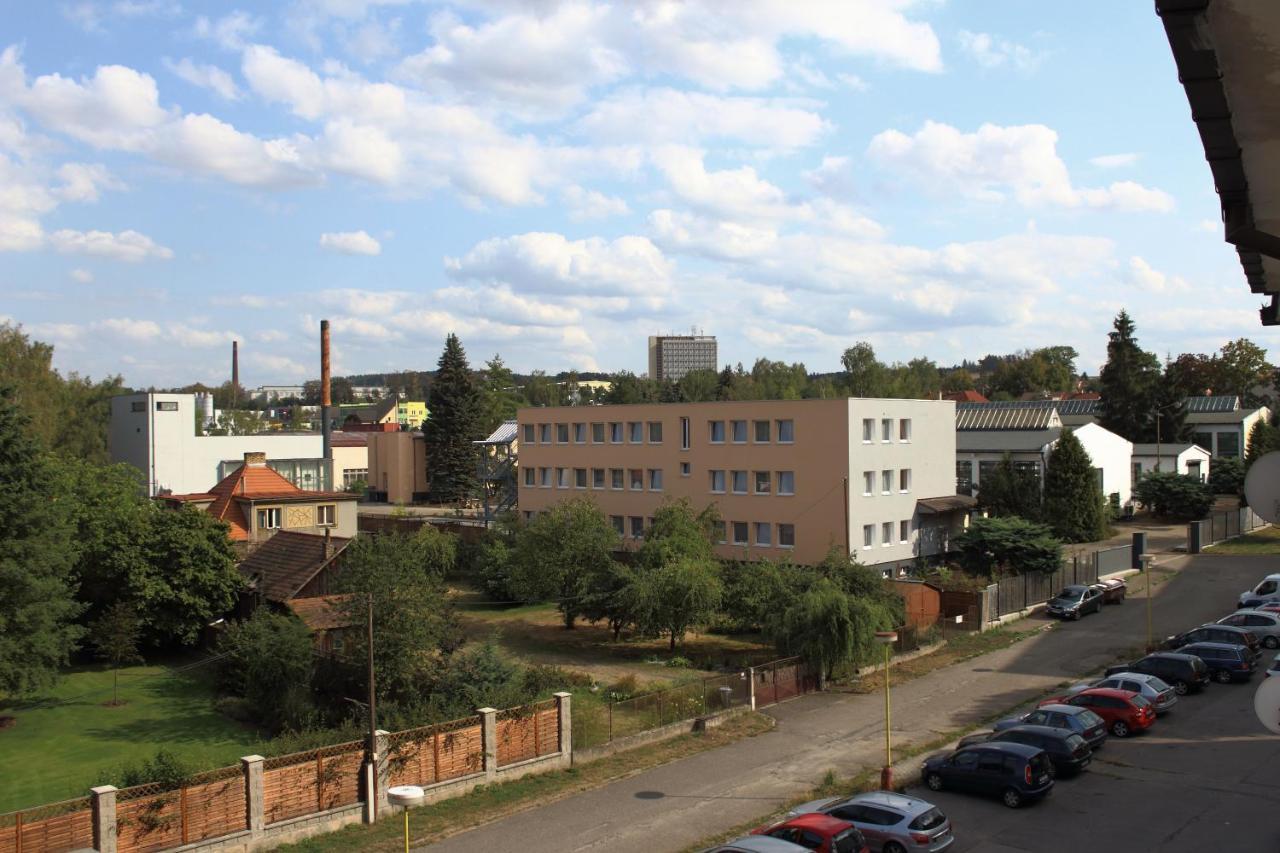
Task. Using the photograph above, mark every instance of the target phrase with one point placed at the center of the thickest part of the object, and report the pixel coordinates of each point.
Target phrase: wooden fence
(67, 825)
(433, 754)
(312, 781)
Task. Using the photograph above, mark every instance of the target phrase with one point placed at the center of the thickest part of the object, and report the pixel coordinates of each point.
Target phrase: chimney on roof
(255, 460)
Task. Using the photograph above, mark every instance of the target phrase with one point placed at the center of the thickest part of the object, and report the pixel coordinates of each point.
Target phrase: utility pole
(1175, 467)
(373, 717)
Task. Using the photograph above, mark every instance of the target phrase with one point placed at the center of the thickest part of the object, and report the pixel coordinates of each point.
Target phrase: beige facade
(397, 467)
(788, 477)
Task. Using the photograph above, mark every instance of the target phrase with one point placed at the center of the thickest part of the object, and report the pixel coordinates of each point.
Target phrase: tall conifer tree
(453, 424)
(1073, 503)
(1129, 380)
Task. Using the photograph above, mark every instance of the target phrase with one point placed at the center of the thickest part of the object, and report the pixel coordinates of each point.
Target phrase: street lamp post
(1147, 561)
(887, 639)
(405, 796)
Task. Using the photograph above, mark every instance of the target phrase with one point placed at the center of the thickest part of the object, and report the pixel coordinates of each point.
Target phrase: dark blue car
(1014, 772)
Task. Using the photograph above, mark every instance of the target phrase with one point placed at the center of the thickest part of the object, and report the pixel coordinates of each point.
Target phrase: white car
(1157, 692)
(1268, 589)
(1262, 624)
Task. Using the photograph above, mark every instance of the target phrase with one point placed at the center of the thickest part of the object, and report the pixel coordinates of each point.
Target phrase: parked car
(1075, 601)
(1264, 606)
(1226, 663)
(1215, 633)
(1015, 772)
(756, 844)
(1113, 590)
(1266, 626)
(1068, 752)
(1161, 696)
(891, 822)
(1268, 589)
(1185, 673)
(1081, 721)
(819, 832)
(1124, 711)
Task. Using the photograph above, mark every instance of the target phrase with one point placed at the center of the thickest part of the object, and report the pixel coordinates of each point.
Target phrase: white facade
(1179, 459)
(1225, 433)
(1112, 455)
(156, 434)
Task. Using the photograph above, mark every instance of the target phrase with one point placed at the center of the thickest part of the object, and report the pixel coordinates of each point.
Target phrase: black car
(1014, 772)
(1070, 718)
(1184, 673)
(1226, 663)
(1075, 601)
(1211, 633)
(1068, 753)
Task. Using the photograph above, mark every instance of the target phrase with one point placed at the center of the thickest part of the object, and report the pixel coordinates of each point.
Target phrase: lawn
(69, 739)
(1263, 541)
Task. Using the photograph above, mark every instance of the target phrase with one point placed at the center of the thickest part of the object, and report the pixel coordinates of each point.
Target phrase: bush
(1226, 476)
(164, 768)
(757, 591)
(1180, 497)
(269, 665)
(678, 662)
(992, 545)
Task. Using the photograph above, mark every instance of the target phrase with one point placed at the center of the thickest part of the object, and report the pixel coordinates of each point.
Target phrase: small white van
(1267, 590)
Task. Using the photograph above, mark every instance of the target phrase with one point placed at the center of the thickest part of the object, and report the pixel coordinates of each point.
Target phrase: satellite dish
(1262, 487)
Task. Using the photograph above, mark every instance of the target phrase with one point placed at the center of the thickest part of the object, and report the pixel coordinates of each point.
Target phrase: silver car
(757, 844)
(1265, 626)
(891, 822)
(1159, 694)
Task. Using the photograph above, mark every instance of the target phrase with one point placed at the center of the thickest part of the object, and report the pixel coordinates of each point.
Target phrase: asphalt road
(671, 807)
(1206, 776)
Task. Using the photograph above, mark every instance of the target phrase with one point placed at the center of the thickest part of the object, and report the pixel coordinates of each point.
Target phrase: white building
(1171, 457)
(1220, 425)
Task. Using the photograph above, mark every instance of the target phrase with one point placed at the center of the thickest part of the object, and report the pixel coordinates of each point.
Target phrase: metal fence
(596, 724)
(1018, 592)
(783, 679)
(1110, 560)
(1228, 523)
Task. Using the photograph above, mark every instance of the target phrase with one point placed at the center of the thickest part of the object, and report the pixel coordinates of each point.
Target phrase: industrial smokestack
(326, 430)
(235, 374)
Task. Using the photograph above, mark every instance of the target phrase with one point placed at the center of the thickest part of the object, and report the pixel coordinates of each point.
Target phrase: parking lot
(1206, 776)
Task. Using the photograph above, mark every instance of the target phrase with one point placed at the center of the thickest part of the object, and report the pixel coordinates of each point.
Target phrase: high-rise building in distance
(672, 356)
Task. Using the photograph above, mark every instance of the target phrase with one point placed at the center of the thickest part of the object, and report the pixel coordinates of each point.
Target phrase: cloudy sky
(555, 181)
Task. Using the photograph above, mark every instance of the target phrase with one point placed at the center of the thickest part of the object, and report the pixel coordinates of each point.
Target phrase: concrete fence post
(1139, 548)
(751, 687)
(489, 727)
(104, 818)
(564, 712)
(254, 798)
(382, 742)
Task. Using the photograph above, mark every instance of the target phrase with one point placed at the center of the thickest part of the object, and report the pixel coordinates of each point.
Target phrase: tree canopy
(1073, 503)
(1129, 382)
(455, 422)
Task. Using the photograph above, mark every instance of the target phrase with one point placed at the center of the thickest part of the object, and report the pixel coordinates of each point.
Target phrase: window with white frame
(655, 479)
(684, 434)
(617, 478)
(637, 527)
(544, 433)
(544, 478)
(715, 431)
(528, 434)
(904, 429)
(597, 478)
(530, 477)
(764, 482)
(269, 518)
(562, 478)
(597, 433)
(739, 431)
(868, 482)
(738, 482)
(886, 481)
(886, 429)
(904, 530)
(740, 533)
(635, 432)
(616, 521)
(868, 535)
(579, 433)
(786, 482)
(636, 478)
(655, 432)
(786, 432)
(904, 479)
(579, 478)
(868, 430)
(615, 433)
(326, 515)
(886, 533)
(761, 430)
(562, 433)
(716, 479)
(351, 476)
(719, 532)
(685, 469)
(786, 536)
(764, 534)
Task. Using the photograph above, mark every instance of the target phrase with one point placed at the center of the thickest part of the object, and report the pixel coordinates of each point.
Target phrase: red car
(1124, 711)
(819, 832)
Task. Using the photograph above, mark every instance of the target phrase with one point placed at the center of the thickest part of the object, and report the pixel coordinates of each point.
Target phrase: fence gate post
(254, 800)
(489, 726)
(751, 687)
(382, 740)
(104, 819)
(564, 714)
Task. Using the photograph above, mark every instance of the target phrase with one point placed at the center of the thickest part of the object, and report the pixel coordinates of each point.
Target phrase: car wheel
(893, 847)
(1120, 728)
(1181, 688)
(1222, 676)
(934, 781)
(1271, 642)
(1075, 617)
(1012, 798)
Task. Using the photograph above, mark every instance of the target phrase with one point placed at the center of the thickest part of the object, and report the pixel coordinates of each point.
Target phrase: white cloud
(278, 366)
(231, 32)
(1144, 277)
(994, 160)
(209, 77)
(1210, 226)
(585, 205)
(833, 177)
(84, 182)
(140, 331)
(82, 275)
(365, 303)
(1114, 161)
(853, 82)
(129, 246)
(350, 243)
(505, 306)
(551, 263)
(994, 52)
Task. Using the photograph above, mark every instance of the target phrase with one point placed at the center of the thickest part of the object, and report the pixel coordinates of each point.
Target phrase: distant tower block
(672, 356)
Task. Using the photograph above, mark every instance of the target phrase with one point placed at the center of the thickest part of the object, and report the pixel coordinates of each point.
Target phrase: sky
(555, 181)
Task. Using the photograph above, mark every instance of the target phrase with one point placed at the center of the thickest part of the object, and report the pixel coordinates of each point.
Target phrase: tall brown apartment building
(789, 477)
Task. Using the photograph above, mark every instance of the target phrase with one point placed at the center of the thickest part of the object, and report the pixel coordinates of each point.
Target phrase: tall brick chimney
(235, 374)
(326, 416)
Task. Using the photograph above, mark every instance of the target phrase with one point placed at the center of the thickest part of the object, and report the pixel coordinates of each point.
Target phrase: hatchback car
(1014, 772)
(1123, 711)
(1081, 721)
(1259, 622)
(1184, 673)
(819, 832)
(1068, 753)
(1075, 601)
(1215, 633)
(756, 844)
(1150, 687)
(891, 822)
(1225, 663)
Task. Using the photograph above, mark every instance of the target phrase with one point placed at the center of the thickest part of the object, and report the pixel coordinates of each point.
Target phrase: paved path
(671, 807)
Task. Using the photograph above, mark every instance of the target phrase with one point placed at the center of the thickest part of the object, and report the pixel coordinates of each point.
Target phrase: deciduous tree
(114, 637)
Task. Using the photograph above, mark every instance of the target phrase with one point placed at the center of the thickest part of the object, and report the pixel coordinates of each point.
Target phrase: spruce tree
(1129, 382)
(453, 424)
(1073, 503)
(37, 552)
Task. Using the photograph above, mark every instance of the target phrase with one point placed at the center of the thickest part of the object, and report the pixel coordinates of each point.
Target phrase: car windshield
(1090, 719)
(1072, 592)
(1074, 742)
(1140, 701)
(931, 819)
(849, 841)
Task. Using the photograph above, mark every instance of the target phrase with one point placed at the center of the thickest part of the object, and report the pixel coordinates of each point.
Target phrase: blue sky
(555, 181)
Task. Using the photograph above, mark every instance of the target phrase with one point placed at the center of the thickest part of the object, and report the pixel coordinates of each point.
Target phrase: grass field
(1265, 540)
(69, 739)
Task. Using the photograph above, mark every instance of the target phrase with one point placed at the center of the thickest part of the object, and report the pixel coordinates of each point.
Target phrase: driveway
(670, 807)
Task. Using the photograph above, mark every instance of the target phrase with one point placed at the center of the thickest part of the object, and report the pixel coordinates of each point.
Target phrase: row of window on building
(640, 479)
(269, 518)
(886, 430)
(886, 481)
(886, 534)
(780, 431)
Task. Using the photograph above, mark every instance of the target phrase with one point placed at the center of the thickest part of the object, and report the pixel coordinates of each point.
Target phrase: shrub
(164, 768)
(1011, 544)
(678, 662)
(268, 664)
(1226, 476)
(1181, 497)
